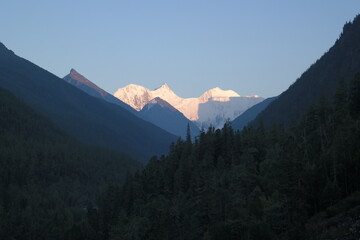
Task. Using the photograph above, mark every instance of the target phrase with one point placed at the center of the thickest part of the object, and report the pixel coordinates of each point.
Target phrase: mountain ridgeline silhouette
(250, 114)
(162, 114)
(298, 181)
(89, 119)
(341, 61)
(81, 82)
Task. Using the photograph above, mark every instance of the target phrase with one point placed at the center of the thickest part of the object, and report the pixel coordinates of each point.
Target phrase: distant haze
(251, 47)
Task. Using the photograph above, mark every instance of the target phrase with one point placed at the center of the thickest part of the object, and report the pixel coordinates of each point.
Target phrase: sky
(252, 47)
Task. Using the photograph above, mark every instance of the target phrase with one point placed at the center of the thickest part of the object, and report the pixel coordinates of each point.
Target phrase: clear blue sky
(252, 47)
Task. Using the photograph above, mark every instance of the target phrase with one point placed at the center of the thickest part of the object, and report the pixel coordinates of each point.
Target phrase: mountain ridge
(164, 115)
(161, 103)
(168, 117)
(44, 170)
(250, 114)
(138, 96)
(81, 82)
(91, 120)
(321, 79)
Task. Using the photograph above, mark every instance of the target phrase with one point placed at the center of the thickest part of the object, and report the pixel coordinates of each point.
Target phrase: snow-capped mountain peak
(134, 95)
(138, 96)
(217, 94)
(165, 92)
(134, 88)
(205, 108)
(163, 86)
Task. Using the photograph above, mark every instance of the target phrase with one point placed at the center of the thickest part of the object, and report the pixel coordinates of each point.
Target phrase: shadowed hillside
(342, 61)
(89, 119)
(47, 178)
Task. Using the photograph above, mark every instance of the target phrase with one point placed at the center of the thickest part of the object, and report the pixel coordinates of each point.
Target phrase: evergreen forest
(62, 175)
(296, 181)
(301, 181)
(69, 165)
(48, 179)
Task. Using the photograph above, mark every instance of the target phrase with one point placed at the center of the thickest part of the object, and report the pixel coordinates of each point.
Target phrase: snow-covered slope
(214, 107)
(134, 95)
(216, 112)
(138, 96)
(218, 94)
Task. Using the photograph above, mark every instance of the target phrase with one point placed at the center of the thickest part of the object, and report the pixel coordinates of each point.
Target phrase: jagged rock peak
(73, 71)
(75, 74)
(163, 86)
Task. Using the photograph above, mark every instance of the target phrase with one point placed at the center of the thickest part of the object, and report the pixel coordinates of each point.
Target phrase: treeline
(277, 183)
(254, 184)
(48, 180)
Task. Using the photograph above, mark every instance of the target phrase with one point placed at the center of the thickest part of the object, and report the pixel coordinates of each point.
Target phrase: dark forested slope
(342, 61)
(89, 119)
(47, 178)
(299, 182)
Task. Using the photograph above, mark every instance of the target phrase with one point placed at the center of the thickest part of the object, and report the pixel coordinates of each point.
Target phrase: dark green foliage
(48, 180)
(354, 96)
(340, 221)
(298, 181)
(253, 184)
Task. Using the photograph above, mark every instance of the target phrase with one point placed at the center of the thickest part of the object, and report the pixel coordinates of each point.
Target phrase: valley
(78, 162)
